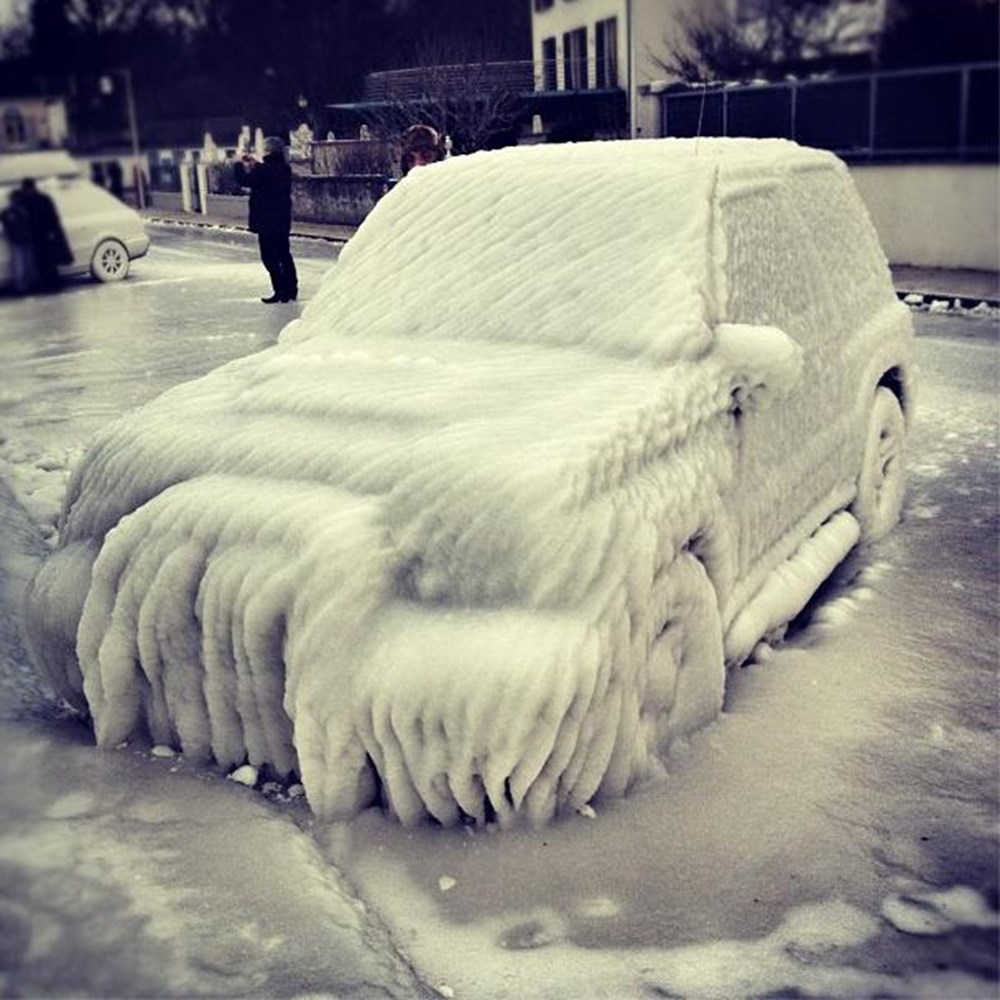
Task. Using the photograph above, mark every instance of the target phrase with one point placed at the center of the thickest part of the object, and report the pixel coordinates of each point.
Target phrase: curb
(236, 227)
(946, 301)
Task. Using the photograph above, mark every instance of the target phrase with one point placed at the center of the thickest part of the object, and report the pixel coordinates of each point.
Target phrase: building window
(549, 67)
(15, 132)
(606, 40)
(575, 59)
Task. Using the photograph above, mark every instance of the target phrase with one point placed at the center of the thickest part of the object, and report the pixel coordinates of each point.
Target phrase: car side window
(769, 270)
(851, 262)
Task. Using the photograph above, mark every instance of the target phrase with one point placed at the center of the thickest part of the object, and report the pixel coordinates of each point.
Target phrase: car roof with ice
(14, 167)
(634, 221)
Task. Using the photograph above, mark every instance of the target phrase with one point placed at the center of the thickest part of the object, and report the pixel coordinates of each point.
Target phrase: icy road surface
(835, 834)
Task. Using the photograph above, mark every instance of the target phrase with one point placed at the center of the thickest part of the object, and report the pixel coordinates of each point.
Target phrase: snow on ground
(963, 307)
(832, 836)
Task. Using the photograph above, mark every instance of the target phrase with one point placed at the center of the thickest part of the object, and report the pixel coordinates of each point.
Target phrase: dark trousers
(276, 256)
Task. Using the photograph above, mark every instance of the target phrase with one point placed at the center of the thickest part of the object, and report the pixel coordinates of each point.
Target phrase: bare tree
(779, 36)
(456, 90)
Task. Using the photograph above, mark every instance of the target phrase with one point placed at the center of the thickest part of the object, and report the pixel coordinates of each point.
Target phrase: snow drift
(464, 540)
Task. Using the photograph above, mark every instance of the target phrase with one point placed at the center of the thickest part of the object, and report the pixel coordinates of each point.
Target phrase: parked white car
(566, 430)
(104, 234)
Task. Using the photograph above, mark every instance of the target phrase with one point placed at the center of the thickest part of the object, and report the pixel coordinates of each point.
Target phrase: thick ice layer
(460, 539)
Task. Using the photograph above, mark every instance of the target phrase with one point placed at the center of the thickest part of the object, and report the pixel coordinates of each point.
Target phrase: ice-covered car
(565, 430)
(104, 234)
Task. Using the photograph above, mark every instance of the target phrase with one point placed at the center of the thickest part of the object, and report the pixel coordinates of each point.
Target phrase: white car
(104, 234)
(566, 431)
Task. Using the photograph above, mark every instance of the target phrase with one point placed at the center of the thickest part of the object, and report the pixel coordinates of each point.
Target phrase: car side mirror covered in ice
(760, 363)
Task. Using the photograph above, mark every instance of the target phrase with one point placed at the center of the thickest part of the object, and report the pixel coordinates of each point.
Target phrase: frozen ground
(834, 835)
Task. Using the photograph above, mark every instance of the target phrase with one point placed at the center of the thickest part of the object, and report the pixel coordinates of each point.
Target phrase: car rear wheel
(110, 261)
(882, 479)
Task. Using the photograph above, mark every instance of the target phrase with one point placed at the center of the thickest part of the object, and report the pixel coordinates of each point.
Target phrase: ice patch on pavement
(933, 912)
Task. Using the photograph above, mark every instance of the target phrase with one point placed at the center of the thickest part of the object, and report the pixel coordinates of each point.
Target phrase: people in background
(48, 240)
(116, 182)
(17, 230)
(418, 146)
(270, 216)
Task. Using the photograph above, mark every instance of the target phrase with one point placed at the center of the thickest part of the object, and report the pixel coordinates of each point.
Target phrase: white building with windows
(609, 44)
(606, 44)
(32, 123)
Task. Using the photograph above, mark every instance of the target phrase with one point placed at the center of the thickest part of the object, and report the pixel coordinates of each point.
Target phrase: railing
(467, 79)
(948, 112)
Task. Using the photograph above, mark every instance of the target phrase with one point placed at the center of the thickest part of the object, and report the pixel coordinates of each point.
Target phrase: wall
(166, 201)
(227, 206)
(352, 156)
(935, 215)
(341, 200)
(33, 123)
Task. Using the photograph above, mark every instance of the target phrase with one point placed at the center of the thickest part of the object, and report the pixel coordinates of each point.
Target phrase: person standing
(17, 228)
(270, 216)
(49, 243)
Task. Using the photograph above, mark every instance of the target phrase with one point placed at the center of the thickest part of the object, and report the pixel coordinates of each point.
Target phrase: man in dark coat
(17, 228)
(48, 240)
(270, 183)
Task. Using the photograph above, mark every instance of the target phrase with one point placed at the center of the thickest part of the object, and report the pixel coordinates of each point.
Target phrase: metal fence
(939, 113)
(459, 79)
(519, 76)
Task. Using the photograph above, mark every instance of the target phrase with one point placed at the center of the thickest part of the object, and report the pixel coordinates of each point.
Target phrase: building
(581, 45)
(28, 123)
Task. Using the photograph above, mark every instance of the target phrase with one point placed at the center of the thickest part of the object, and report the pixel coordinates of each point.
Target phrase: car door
(88, 215)
(788, 465)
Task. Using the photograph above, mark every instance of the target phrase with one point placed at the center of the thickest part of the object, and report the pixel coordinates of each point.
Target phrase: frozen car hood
(473, 454)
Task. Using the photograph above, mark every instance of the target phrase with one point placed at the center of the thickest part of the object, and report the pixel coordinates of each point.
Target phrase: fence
(521, 76)
(939, 113)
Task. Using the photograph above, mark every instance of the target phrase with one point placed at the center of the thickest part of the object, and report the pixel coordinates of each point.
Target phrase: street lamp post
(133, 127)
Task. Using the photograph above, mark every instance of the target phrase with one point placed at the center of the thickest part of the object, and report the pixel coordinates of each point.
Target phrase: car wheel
(110, 261)
(685, 672)
(882, 479)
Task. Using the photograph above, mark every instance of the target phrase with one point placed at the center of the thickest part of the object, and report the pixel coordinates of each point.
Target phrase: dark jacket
(270, 184)
(16, 222)
(51, 245)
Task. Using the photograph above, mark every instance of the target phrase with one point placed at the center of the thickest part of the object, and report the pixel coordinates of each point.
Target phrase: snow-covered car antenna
(701, 112)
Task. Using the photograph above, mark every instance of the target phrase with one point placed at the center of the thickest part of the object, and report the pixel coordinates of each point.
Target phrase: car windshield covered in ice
(565, 431)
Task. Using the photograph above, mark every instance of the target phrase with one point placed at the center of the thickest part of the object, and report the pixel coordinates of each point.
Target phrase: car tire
(882, 481)
(110, 261)
(686, 671)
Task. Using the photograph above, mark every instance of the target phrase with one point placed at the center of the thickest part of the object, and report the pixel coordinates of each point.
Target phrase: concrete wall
(342, 200)
(228, 206)
(330, 158)
(935, 215)
(166, 201)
